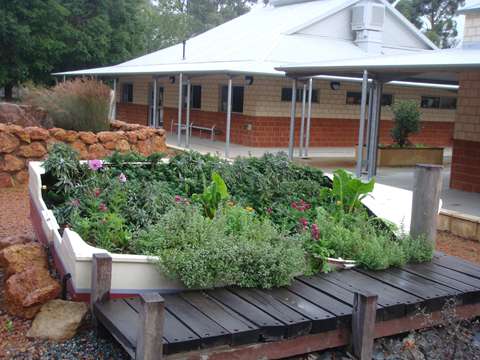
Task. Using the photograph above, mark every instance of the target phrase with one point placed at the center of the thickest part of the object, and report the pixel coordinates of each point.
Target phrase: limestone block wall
(19, 145)
(472, 28)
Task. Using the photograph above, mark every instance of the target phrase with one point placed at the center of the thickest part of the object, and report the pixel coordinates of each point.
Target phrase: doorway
(160, 96)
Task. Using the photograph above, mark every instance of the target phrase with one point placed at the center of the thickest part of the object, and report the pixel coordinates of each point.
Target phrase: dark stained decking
(311, 305)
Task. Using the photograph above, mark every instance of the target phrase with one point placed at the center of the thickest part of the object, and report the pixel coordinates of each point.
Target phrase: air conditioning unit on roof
(368, 16)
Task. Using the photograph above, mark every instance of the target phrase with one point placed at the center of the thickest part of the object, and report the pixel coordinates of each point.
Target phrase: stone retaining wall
(19, 145)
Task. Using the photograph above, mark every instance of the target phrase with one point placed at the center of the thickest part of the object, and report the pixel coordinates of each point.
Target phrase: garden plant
(407, 121)
(253, 222)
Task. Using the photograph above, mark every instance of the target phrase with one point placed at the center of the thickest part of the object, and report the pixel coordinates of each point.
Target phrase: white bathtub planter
(134, 274)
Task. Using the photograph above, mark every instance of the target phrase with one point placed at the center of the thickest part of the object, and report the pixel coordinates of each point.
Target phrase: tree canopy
(435, 17)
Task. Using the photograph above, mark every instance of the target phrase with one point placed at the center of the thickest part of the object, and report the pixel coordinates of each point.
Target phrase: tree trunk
(8, 91)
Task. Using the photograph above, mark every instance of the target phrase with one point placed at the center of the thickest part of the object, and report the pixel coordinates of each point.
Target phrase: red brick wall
(132, 113)
(274, 131)
(466, 166)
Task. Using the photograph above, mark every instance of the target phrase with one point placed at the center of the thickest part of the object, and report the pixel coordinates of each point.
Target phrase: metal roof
(254, 43)
(470, 8)
(428, 66)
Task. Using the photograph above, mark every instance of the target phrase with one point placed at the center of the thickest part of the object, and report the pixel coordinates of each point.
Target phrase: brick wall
(132, 113)
(466, 147)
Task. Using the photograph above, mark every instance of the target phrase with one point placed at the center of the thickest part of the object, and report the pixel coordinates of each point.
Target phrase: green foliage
(407, 121)
(80, 104)
(347, 191)
(212, 195)
(234, 248)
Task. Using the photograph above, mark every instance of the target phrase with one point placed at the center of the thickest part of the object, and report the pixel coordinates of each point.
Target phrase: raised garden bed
(287, 219)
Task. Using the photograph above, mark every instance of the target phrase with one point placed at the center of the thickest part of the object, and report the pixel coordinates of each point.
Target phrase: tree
(434, 17)
(29, 48)
(407, 121)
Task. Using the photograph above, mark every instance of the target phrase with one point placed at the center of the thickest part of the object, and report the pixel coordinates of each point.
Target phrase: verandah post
(293, 111)
(363, 324)
(101, 280)
(150, 331)
(427, 187)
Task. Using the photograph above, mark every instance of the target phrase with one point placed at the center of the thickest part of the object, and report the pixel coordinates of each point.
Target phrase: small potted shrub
(403, 152)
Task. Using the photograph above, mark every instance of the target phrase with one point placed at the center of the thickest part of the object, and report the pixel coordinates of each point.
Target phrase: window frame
(358, 94)
(439, 101)
(192, 95)
(123, 97)
(286, 95)
(224, 90)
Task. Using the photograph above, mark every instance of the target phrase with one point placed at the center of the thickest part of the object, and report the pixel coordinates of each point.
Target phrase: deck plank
(458, 265)
(270, 327)
(321, 320)
(296, 324)
(242, 331)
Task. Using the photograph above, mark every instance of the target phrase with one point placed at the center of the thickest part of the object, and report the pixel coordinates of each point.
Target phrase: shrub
(407, 121)
(234, 248)
(79, 104)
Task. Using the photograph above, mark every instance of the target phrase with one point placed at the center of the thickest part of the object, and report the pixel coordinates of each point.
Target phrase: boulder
(70, 136)
(37, 133)
(8, 142)
(158, 144)
(57, 133)
(97, 151)
(15, 240)
(6, 180)
(122, 145)
(26, 291)
(16, 114)
(109, 136)
(35, 149)
(12, 163)
(144, 147)
(21, 177)
(88, 137)
(81, 148)
(132, 137)
(17, 258)
(58, 320)
(111, 145)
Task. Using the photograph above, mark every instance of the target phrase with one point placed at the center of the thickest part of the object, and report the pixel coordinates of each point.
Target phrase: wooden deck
(219, 321)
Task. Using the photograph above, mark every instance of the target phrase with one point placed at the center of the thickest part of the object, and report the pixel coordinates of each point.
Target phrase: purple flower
(102, 207)
(95, 164)
(315, 231)
(122, 178)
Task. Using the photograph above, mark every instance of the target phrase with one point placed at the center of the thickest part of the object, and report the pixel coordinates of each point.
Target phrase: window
(438, 102)
(237, 99)
(127, 93)
(355, 98)
(287, 95)
(195, 96)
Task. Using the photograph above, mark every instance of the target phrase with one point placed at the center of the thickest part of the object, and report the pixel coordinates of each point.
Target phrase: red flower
(315, 231)
(97, 192)
(303, 222)
(102, 207)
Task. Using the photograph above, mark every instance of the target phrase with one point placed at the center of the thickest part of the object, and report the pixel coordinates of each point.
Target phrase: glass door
(160, 96)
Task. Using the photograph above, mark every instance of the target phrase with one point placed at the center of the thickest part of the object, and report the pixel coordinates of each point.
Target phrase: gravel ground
(14, 220)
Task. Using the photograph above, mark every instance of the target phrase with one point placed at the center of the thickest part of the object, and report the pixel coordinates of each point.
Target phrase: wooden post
(150, 331)
(101, 280)
(427, 187)
(363, 324)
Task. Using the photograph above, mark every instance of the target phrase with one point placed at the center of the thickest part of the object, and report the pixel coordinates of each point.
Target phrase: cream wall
(472, 28)
(262, 98)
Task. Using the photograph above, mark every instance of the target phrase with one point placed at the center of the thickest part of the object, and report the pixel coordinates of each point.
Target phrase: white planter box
(133, 274)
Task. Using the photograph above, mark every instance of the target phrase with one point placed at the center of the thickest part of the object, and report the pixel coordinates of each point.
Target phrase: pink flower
(294, 205)
(122, 178)
(95, 164)
(75, 203)
(315, 231)
(178, 198)
(97, 192)
(303, 222)
(269, 210)
(102, 207)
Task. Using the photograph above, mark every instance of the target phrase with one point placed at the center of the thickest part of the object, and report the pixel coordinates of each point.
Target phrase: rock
(144, 147)
(21, 177)
(70, 136)
(21, 134)
(15, 114)
(12, 163)
(122, 145)
(132, 137)
(17, 258)
(37, 133)
(26, 291)
(88, 137)
(58, 320)
(15, 240)
(144, 133)
(81, 148)
(111, 145)
(57, 133)
(35, 149)
(158, 144)
(6, 180)
(109, 136)
(8, 142)
(116, 124)
(97, 151)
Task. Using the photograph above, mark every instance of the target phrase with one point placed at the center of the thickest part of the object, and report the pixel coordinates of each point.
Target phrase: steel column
(309, 117)
(361, 130)
(154, 109)
(302, 120)
(229, 118)
(187, 123)
(114, 106)
(374, 127)
(180, 106)
(293, 111)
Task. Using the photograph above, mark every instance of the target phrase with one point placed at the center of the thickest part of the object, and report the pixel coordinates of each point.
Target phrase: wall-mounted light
(335, 85)
(172, 79)
(249, 80)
